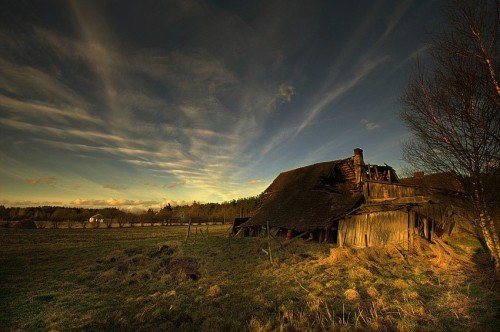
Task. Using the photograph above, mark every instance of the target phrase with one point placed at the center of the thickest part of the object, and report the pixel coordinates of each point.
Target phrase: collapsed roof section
(310, 197)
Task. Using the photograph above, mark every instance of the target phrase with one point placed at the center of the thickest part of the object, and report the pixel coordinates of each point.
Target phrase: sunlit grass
(71, 279)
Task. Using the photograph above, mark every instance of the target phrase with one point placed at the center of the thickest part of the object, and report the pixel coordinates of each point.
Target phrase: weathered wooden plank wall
(386, 190)
(376, 228)
(411, 225)
(436, 212)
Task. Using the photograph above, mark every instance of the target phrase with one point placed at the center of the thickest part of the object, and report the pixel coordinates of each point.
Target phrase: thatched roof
(443, 182)
(310, 197)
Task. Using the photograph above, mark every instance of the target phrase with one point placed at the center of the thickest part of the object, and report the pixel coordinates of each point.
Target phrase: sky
(138, 104)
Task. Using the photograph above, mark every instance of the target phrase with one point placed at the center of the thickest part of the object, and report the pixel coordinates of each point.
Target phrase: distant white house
(96, 218)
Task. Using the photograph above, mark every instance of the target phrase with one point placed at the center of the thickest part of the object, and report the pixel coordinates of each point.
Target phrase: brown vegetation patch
(139, 265)
(439, 253)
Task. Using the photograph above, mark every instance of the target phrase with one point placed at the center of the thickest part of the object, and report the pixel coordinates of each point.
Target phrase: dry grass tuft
(169, 294)
(256, 326)
(359, 273)
(339, 255)
(400, 284)
(351, 295)
(214, 291)
(412, 295)
(372, 292)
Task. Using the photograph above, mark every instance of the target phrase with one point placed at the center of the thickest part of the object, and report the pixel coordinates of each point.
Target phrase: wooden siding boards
(375, 190)
(376, 228)
(411, 226)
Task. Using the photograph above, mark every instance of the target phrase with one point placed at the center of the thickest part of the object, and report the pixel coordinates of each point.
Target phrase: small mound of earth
(139, 265)
(185, 268)
(163, 249)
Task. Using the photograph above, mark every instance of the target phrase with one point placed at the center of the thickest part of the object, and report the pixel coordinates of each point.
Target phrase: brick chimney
(418, 175)
(358, 165)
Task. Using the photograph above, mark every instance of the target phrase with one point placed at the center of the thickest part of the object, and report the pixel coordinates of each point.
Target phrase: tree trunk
(488, 231)
(486, 225)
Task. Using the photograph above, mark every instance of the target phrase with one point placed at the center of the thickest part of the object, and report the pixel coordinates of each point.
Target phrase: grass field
(147, 278)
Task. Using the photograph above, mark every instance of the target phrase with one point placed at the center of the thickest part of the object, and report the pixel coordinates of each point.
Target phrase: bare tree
(453, 108)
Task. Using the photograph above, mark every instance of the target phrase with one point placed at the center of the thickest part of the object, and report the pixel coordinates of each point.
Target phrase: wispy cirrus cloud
(367, 62)
(369, 125)
(195, 135)
(254, 182)
(175, 184)
(46, 111)
(396, 17)
(115, 186)
(412, 57)
(365, 68)
(198, 115)
(91, 135)
(45, 180)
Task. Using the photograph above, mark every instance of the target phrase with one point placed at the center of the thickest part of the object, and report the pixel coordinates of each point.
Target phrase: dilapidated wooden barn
(352, 203)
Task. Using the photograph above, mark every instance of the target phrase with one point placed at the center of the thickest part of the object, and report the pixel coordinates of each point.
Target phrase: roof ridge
(338, 161)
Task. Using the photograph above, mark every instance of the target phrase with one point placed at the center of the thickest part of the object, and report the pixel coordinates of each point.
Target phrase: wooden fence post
(269, 243)
(189, 229)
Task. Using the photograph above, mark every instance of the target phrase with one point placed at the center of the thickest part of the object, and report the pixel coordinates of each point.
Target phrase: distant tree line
(197, 212)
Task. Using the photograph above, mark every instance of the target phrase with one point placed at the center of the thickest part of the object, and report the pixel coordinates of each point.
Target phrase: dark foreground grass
(101, 279)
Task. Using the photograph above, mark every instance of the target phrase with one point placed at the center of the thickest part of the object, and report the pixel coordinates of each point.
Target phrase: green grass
(70, 279)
